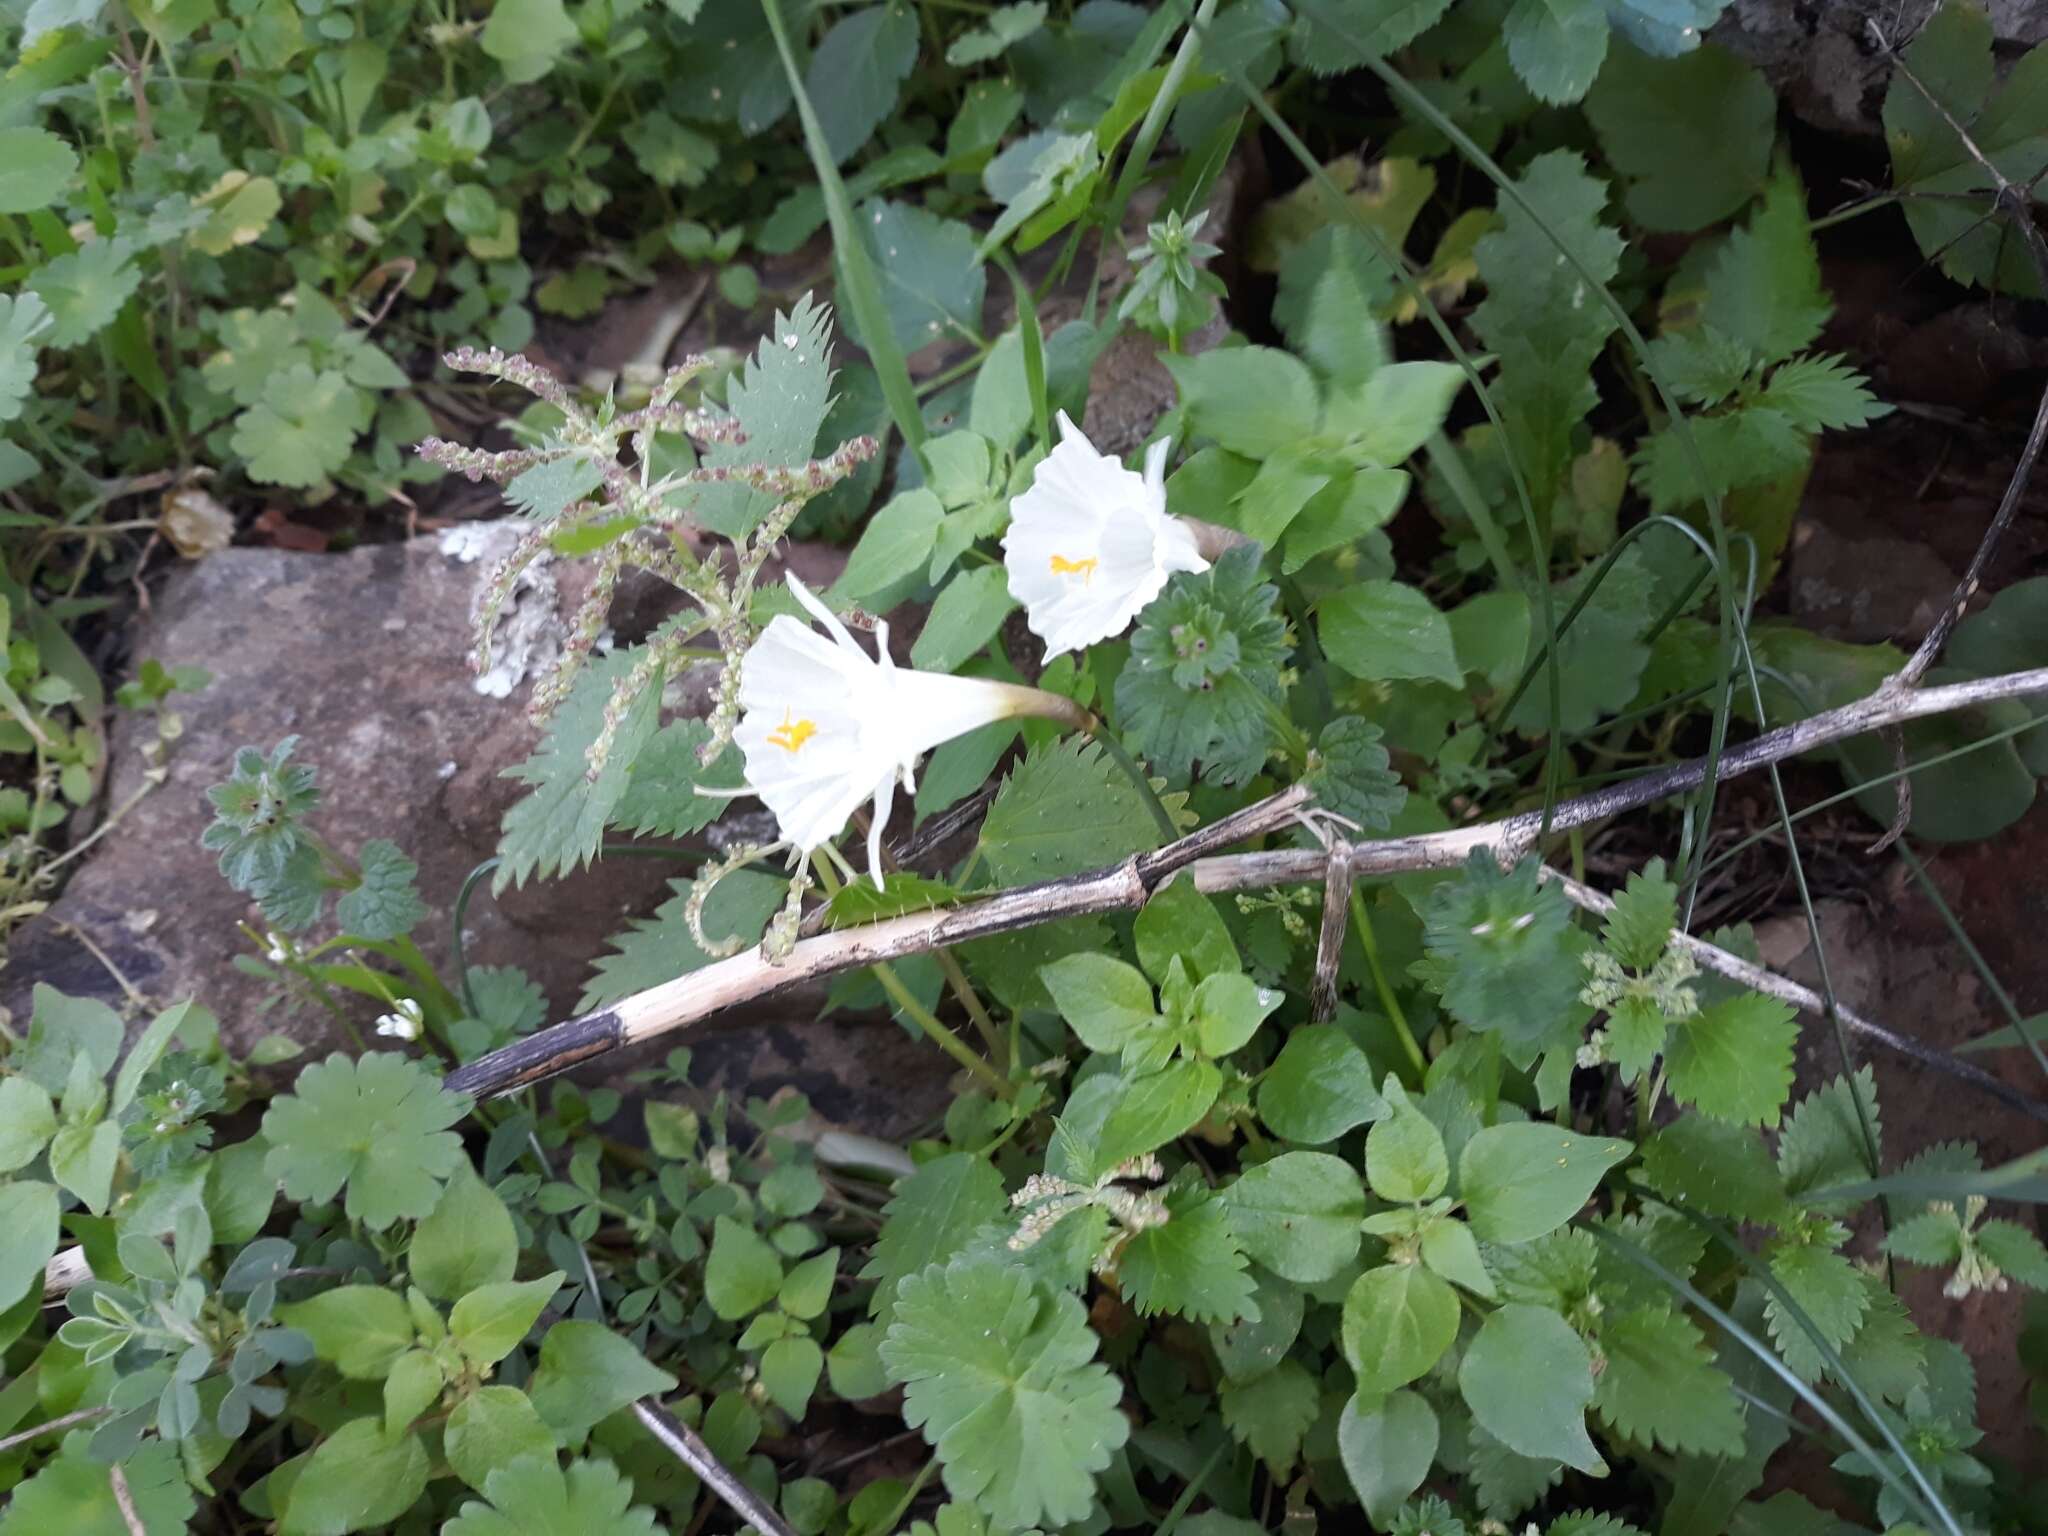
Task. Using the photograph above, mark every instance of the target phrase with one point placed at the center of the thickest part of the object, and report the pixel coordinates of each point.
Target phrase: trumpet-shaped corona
(824, 726)
(1091, 543)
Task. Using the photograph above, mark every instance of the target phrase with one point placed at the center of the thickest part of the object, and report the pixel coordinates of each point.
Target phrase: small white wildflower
(404, 1022)
(278, 949)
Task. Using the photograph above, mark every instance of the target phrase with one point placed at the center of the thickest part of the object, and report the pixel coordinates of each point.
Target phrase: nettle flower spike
(1091, 543)
(824, 726)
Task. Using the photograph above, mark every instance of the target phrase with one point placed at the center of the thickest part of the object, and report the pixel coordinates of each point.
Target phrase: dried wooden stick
(1713, 958)
(1322, 992)
(688, 1447)
(691, 998)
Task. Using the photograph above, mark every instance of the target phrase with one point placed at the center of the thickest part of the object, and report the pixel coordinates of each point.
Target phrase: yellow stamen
(1085, 569)
(792, 734)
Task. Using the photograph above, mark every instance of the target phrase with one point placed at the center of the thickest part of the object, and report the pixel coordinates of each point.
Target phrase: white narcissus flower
(824, 726)
(1091, 543)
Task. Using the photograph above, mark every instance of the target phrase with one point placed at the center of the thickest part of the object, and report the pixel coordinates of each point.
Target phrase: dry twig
(1713, 958)
(1124, 887)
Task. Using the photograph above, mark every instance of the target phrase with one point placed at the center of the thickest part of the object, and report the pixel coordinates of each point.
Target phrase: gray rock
(365, 656)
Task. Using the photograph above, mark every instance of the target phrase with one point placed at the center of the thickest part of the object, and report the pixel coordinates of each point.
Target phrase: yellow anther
(1085, 569)
(792, 734)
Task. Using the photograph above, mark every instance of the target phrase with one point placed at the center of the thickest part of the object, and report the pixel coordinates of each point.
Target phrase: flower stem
(922, 1016)
(1369, 942)
(964, 993)
(942, 1037)
(1106, 739)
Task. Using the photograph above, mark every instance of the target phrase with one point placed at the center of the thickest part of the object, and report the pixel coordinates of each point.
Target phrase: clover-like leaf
(85, 290)
(532, 1496)
(1002, 1379)
(378, 1125)
(304, 429)
(24, 326)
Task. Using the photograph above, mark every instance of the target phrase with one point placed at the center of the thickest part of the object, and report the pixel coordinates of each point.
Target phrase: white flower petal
(825, 726)
(1091, 543)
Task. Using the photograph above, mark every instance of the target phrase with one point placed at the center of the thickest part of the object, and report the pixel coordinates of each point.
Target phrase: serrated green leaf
(1332, 286)
(386, 904)
(1638, 930)
(1333, 35)
(1352, 774)
(1660, 1386)
(1734, 1060)
(1821, 392)
(1556, 46)
(72, 1493)
(1204, 667)
(779, 400)
(1001, 1377)
(1821, 1143)
(1065, 808)
(378, 1125)
(1827, 1289)
(551, 487)
(1191, 1266)
(661, 799)
(1764, 287)
(1271, 1413)
(24, 322)
(559, 824)
(1714, 1167)
(1540, 317)
(931, 1217)
(1499, 938)
(660, 947)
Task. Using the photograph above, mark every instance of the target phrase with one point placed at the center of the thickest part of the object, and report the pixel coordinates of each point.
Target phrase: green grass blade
(1920, 1493)
(863, 291)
